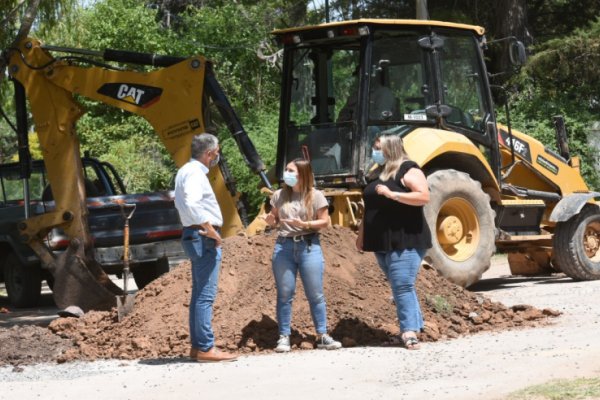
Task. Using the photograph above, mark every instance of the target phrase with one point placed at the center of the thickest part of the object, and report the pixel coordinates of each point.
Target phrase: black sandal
(411, 343)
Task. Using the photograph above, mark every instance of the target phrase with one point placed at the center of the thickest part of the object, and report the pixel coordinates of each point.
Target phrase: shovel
(125, 302)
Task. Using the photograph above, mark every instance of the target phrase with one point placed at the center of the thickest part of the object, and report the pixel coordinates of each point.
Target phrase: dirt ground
(360, 311)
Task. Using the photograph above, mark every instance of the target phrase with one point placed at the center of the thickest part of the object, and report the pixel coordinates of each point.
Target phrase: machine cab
(346, 83)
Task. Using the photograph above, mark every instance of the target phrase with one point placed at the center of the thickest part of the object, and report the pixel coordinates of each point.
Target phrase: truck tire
(23, 282)
(144, 273)
(577, 244)
(462, 227)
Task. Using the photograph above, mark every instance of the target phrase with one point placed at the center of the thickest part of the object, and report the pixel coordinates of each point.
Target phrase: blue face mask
(290, 178)
(377, 156)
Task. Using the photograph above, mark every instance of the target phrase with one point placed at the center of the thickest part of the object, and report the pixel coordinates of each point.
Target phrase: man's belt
(199, 227)
(298, 238)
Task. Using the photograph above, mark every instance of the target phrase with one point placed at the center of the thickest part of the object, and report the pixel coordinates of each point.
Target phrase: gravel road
(482, 366)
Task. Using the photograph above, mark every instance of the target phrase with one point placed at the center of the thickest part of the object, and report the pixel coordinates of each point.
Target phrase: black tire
(144, 273)
(23, 282)
(462, 227)
(577, 244)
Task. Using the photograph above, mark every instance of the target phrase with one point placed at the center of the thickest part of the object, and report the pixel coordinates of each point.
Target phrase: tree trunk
(511, 20)
(27, 20)
(26, 23)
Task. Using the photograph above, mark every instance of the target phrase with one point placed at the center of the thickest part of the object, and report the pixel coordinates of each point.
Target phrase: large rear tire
(462, 227)
(577, 244)
(23, 282)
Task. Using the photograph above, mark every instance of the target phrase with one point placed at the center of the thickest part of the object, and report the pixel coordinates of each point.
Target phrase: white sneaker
(283, 344)
(328, 343)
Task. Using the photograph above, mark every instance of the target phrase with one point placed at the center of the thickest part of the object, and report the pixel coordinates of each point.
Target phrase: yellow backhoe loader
(345, 83)
(174, 97)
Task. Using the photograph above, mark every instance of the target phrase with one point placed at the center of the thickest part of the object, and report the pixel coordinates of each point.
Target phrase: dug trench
(359, 309)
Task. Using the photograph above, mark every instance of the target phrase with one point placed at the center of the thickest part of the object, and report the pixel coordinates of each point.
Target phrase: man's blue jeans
(401, 268)
(289, 258)
(206, 262)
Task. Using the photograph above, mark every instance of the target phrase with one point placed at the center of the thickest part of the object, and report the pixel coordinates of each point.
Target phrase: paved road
(483, 366)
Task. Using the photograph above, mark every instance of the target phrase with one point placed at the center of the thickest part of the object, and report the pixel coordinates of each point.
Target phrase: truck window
(323, 87)
(462, 82)
(12, 186)
(322, 84)
(93, 184)
(398, 86)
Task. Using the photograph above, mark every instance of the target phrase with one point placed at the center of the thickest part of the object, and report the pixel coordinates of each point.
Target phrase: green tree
(562, 78)
(228, 35)
(114, 135)
(17, 18)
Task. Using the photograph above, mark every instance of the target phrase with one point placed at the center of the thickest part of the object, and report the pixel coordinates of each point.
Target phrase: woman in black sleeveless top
(394, 228)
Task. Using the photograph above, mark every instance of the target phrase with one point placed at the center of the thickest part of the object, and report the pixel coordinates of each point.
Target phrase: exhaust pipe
(422, 12)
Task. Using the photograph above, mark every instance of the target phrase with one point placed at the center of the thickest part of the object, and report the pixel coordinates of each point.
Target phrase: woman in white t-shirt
(299, 211)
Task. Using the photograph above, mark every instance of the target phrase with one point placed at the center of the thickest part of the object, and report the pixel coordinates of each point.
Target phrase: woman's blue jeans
(401, 268)
(289, 258)
(206, 262)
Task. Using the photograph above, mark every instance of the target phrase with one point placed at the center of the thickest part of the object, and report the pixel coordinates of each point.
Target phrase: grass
(440, 304)
(582, 388)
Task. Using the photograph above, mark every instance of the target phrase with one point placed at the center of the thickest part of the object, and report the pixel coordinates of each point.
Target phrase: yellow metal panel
(55, 113)
(175, 114)
(517, 202)
(407, 22)
(425, 144)
(535, 174)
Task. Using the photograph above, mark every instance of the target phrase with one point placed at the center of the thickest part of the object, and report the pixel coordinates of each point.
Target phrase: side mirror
(435, 111)
(383, 63)
(517, 53)
(386, 114)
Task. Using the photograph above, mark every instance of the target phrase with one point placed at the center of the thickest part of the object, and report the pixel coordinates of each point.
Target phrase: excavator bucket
(80, 281)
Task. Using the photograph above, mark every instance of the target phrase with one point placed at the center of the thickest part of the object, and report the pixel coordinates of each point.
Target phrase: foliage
(562, 78)
(48, 13)
(561, 389)
(229, 36)
(569, 66)
(128, 141)
(555, 18)
(440, 304)
(262, 129)
(125, 140)
(142, 164)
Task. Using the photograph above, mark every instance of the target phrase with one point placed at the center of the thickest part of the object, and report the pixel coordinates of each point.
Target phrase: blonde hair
(393, 151)
(305, 180)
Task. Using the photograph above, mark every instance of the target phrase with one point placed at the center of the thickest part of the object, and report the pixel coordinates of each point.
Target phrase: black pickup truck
(154, 228)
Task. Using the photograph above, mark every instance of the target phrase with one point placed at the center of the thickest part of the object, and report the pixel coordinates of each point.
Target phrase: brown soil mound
(360, 311)
(30, 344)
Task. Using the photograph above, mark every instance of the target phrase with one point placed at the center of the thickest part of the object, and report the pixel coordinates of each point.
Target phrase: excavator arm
(171, 98)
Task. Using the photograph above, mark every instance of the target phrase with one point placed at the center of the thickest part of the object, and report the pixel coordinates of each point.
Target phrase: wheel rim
(458, 230)
(591, 241)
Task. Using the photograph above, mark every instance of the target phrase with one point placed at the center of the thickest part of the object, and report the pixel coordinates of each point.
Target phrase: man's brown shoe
(212, 355)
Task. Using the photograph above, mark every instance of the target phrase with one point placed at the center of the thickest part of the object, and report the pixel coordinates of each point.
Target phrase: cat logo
(132, 93)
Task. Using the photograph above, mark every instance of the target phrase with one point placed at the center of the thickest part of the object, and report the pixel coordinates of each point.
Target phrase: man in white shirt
(201, 218)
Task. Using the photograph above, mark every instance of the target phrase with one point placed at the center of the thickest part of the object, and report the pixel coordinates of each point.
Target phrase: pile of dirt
(30, 344)
(360, 311)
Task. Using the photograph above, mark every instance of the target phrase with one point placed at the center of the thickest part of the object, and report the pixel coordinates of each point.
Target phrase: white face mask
(290, 178)
(378, 157)
(214, 162)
